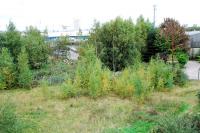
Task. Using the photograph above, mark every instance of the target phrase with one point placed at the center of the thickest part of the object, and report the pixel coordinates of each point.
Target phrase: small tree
(24, 73)
(142, 29)
(12, 40)
(145, 37)
(174, 37)
(115, 43)
(7, 68)
(36, 48)
(94, 36)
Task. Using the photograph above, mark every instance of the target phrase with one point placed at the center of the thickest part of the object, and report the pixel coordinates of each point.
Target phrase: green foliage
(119, 43)
(142, 29)
(24, 73)
(151, 49)
(161, 75)
(90, 78)
(162, 44)
(47, 94)
(54, 72)
(8, 119)
(11, 39)
(182, 58)
(138, 81)
(198, 95)
(198, 58)
(133, 82)
(10, 122)
(178, 124)
(115, 43)
(69, 90)
(7, 73)
(123, 84)
(94, 83)
(168, 40)
(136, 127)
(180, 77)
(36, 48)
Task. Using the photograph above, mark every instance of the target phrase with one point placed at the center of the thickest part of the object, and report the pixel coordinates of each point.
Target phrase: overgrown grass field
(43, 110)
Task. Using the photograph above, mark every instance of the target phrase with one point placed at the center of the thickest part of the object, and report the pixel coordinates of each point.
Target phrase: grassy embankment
(48, 112)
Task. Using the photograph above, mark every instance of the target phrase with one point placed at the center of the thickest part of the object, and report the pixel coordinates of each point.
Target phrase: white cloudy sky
(52, 13)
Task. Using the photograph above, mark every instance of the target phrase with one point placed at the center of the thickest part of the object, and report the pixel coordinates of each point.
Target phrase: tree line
(119, 43)
(20, 53)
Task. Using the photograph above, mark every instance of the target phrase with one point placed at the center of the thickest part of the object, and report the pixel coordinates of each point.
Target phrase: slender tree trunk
(173, 48)
(113, 61)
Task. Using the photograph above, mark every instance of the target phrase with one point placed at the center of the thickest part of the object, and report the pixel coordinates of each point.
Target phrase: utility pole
(154, 15)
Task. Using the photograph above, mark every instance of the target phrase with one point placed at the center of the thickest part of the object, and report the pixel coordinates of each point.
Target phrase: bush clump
(161, 74)
(140, 80)
(119, 41)
(11, 122)
(198, 95)
(7, 69)
(8, 119)
(90, 78)
(182, 58)
(69, 90)
(178, 124)
(180, 78)
(24, 73)
(133, 81)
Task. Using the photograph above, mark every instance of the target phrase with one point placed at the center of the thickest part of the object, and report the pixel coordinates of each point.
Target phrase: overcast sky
(52, 13)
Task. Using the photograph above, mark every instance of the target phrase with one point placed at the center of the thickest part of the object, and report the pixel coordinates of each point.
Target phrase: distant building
(73, 36)
(194, 43)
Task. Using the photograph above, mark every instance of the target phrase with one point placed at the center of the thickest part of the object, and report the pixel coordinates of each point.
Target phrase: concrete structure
(194, 43)
(192, 70)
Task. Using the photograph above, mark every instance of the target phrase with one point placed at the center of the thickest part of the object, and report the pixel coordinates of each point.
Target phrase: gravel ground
(191, 69)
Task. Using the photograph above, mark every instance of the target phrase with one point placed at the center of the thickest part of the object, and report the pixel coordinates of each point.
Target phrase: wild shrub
(12, 40)
(178, 124)
(180, 78)
(141, 79)
(82, 74)
(106, 81)
(36, 48)
(182, 58)
(8, 119)
(24, 73)
(142, 83)
(69, 90)
(46, 93)
(123, 85)
(161, 74)
(118, 40)
(198, 96)
(54, 72)
(7, 67)
(10, 122)
(133, 81)
(94, 82)
(90, 78)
